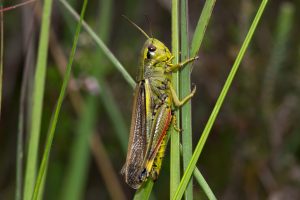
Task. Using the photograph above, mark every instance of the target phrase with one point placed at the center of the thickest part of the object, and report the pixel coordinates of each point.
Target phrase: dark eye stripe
(148, 55)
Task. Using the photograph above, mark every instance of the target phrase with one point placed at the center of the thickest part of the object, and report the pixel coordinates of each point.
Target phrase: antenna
(136, 26)
(150, 25)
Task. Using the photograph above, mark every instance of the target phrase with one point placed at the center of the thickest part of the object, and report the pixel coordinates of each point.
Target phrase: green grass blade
(102, 46)
(145, 191)
(201, 26)
(20, 146)
(77, 171)
(202, 182)
(52, 127)
(175, 139)
(278, 56)
(38, 93)
(42, 185)
(75, 178)
(105, 19)
(204, 185)
(185, 180)
(185, 80)
(25, 94)
(185, 89)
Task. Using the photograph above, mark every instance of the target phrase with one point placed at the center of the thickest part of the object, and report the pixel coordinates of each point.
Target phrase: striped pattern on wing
(137, 140)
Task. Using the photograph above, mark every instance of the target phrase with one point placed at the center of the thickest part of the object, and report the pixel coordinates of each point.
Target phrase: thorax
(159, 81)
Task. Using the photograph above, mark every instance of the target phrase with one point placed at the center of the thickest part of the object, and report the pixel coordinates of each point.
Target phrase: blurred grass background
(253, 151)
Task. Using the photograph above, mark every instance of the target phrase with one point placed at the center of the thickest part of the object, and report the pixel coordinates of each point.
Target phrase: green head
(156, 50)
(153, 51)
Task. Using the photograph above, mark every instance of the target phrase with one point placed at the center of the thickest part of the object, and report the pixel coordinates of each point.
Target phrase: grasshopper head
(156, 50)
(153, 51)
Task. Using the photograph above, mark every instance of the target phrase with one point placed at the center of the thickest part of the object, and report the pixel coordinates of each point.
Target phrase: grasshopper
(154, 102)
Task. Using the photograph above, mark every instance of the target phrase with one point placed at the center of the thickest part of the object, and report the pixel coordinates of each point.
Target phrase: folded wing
(137, 145)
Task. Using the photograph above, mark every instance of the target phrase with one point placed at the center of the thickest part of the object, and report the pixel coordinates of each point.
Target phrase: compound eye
(151, 48)
(151, 51)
